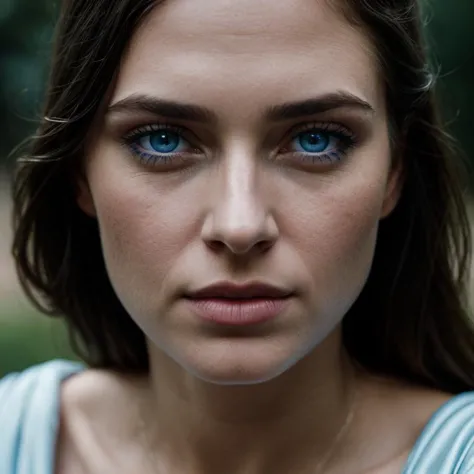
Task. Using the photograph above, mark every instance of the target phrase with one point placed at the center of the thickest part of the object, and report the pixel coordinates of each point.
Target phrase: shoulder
(95, 396)
(22, 391)
(91, 392)
(89, 406)
(19, 390)
(426, 431)
(446, 443)
(28, 414)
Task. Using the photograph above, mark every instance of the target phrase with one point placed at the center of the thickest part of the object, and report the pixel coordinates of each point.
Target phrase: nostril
(216, 245)
(258, 247)
(265, 245)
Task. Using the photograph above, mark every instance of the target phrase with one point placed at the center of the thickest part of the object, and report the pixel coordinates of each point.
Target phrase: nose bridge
(240, 219)
(239, 204)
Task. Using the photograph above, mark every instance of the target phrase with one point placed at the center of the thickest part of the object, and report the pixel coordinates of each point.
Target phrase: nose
(240, 221)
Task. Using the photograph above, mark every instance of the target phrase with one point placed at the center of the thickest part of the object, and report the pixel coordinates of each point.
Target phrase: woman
(253, 225)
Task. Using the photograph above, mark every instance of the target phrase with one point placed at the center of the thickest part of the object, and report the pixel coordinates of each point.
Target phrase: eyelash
(346, 140)
(131, 138)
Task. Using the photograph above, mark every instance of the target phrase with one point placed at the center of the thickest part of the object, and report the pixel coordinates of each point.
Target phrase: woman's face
(243, 142)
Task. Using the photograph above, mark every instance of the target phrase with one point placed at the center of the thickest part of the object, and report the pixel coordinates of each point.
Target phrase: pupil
(314, 138)
(164, 141)
(314, 141)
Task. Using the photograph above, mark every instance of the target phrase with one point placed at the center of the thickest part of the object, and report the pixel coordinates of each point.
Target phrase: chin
(235, 374)
(239, 362)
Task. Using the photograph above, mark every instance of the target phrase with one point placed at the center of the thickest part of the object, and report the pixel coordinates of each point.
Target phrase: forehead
(205, 50)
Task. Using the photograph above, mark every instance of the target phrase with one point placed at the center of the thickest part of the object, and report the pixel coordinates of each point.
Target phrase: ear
(394, 188)
(84, 197)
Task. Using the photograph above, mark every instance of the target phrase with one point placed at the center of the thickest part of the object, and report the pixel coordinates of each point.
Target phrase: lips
(228, 290)
(232, 304)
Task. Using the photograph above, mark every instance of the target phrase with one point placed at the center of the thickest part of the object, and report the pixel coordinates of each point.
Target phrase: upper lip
(239, 291)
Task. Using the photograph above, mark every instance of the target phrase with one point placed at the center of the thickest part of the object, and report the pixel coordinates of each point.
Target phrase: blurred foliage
(26, 30)
(451, 37)
(29, 339)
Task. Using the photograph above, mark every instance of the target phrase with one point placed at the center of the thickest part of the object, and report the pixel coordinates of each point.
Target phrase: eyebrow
(276, 113)
(317, 105)
(163, 108)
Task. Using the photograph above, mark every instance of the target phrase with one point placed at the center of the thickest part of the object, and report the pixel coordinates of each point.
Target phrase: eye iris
(164, 141)
(314, 142)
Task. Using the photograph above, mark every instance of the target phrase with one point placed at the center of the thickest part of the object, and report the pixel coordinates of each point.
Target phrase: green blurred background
(26, 28)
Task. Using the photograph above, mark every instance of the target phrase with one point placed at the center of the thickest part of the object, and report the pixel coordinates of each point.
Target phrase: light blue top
(29, 417)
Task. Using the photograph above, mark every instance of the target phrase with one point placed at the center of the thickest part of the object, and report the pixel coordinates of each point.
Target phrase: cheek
(335, 233)
(144, 231)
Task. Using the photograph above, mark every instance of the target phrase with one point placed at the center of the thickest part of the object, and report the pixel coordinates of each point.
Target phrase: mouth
(233, 291)
(238, 305)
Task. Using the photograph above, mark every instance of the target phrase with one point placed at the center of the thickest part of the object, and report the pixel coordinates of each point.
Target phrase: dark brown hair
(411, 319)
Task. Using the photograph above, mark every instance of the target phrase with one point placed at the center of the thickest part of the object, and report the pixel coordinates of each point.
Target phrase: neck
(212, 428)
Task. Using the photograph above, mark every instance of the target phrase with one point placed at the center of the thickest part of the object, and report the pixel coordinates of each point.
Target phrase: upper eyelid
(185, 132)
(150, 128)
(333, 127)
(138, 132)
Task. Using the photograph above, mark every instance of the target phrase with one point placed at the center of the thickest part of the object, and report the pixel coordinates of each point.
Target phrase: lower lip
(238, 312)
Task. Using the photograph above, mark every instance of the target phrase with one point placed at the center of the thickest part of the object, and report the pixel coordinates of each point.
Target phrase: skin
(240, 206)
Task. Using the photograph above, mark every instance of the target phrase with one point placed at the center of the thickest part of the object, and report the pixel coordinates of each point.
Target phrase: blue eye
(160, 144)
(314, 141)
(160, 141)
(325, 143)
